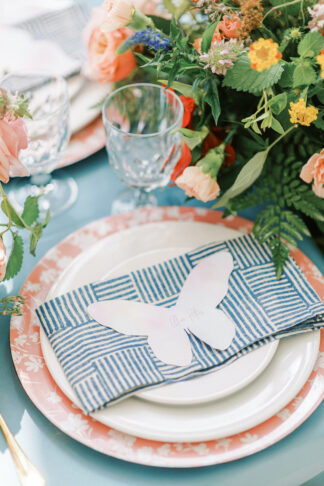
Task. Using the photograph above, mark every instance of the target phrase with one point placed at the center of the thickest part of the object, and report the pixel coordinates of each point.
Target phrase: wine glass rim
(55, 77)
(144, 135)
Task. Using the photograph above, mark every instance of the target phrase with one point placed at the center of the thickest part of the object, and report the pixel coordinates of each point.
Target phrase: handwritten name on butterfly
(195, 312)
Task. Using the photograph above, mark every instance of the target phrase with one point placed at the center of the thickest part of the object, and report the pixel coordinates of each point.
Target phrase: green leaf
(304, 74)
(311, 44)
(243, 78)
(278, 103)
(8, 209)
(208, 37)
(34, 237)
(248, 174)
(212, 98)
(319, 122)
(320, 94)
(276, 126)
(280, 254)
(161, 23)
(182, 88)
(31, 210)
(16, 257)
(176, 8)
(286, 80)
(194, 137)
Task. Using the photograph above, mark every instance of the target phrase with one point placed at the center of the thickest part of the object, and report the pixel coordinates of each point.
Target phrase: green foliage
(247, 176)
(304, 74)
(16, 257)
(11, 306)
(285, 198)
(193, 138)
(208, 36)
(243, 78)
(311, 44)
(31, 210)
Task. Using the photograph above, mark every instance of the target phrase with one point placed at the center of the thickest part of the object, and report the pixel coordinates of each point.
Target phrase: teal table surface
(295, 460)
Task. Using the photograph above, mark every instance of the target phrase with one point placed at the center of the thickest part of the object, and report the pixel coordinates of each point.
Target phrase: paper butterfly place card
(176, 319)
(194, 311)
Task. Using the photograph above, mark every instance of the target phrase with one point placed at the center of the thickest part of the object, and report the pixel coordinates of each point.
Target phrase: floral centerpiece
(13, 138)
(250, 74)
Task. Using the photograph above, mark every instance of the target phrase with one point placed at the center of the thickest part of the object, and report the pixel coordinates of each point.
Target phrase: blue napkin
(103, 366)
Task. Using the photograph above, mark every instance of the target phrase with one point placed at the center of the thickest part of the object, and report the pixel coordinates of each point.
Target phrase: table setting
(161, 248)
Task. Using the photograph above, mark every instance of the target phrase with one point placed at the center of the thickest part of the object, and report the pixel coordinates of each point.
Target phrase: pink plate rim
(84, 143)
(50, 400)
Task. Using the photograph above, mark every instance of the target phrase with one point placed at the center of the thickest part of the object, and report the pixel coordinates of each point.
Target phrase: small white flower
(16, 356)
(248, 438)
(223, 443)
(34, 363)
(284, 414)
(144, 453)
(34, 337)
(77, 424)
(21, 340)
(164, 450)
(31, 287)
(201, 449)
(48, 275)
(53, 397)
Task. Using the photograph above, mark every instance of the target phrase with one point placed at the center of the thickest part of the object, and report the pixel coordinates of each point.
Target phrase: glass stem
(141, 197)
(39, 180)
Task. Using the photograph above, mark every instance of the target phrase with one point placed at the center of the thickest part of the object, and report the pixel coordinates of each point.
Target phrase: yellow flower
(302, 114)
(320, 60)
(263, 54)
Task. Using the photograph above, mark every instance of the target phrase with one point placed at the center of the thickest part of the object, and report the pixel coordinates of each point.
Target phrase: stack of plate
(258, 391)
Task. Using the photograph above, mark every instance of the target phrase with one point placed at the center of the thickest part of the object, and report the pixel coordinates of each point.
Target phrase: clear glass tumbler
(48, 136)
(143, 142)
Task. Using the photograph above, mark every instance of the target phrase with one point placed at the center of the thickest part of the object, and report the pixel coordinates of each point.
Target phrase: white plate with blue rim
(228, 401)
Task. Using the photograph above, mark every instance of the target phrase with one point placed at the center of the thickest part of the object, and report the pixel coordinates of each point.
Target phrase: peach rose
(3, 259)
(13, 138)
(118, 13)
(104, 65)
(197, 184)
(230, 26)
(314, 170)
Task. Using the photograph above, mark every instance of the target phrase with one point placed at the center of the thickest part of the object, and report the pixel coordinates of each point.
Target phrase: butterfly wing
(172, 346)
(213, 327)
(207, 283)
(127, 317)
(169, 343)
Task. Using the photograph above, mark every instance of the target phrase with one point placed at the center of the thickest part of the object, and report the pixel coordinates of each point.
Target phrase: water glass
(48, 136)
(142, 124)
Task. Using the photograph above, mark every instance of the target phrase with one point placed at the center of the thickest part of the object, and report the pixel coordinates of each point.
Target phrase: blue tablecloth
(65, 462)
(296, 460)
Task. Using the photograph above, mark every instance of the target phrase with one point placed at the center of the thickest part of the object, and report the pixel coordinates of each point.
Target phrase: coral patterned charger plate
(50, 400)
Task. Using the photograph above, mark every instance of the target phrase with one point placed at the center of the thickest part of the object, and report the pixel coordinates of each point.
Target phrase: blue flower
(149, 38)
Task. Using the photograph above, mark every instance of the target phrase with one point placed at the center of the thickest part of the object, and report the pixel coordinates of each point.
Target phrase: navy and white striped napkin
(103, 366)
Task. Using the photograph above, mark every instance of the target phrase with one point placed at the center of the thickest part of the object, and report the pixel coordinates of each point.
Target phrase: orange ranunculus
(3, 259)
(182, 163)
(313, 170)
(188, 109)
(13, 138)
(214, 139)
(230, 26)
(104, 65)
(197, 184)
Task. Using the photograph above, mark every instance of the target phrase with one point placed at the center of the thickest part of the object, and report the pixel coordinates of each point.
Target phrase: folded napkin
(50, 42)
(103, 365)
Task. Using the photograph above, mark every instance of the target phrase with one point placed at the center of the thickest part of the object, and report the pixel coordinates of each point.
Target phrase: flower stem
(5, 200)
(273, 9)
(281, 137)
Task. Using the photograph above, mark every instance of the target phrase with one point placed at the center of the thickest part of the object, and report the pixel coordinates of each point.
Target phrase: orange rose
(104, 65)
(314, 170)
(13, 138)
(197, 184)
(230, 26)
(2, 259)
(188, 108)
(182, 163)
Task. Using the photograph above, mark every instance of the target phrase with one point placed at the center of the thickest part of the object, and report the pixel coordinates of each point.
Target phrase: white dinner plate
(260, 399)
